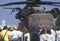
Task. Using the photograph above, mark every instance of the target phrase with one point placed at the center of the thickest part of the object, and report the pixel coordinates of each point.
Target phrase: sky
(10, 19)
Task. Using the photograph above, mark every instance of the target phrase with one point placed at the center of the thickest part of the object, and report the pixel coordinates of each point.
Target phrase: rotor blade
(27, 7)
(17, 8)
(8, 8)
(14, 3)
(48, 3)
(56, 5)
(29, 2)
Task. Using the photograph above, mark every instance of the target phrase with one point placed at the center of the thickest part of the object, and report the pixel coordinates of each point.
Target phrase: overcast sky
(10, 19)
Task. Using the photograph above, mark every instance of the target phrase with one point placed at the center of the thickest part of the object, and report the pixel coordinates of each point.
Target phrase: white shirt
(28, 36)
(49, 37)
(20, 33)
(14, 34)
(53, 33)
(58, 33)
(43, 37)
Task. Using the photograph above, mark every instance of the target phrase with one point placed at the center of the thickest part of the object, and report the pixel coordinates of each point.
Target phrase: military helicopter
(32, 7)
(31, 12)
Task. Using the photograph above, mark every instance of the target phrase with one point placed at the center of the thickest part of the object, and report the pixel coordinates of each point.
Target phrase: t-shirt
(58, 33)
(52, 32)
(43, 37)
(27, 36)
(6, 36)
(20, 33)
(15, 34)
(49, 37)
(46, 37)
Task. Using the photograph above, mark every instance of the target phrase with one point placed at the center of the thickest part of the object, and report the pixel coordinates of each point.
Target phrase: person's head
(59, 28)
(40, 30)
(50, 28)
(44, 31)
(15, 28)
(49, 31)
(9, 29)
(5, 27)
(0, 30)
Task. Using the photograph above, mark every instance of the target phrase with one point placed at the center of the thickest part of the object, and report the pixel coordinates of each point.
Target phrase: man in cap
(14, 35)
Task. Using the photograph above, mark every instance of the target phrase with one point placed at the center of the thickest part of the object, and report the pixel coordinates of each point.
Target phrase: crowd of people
(14, 34)
(49, 34)
(11, 34)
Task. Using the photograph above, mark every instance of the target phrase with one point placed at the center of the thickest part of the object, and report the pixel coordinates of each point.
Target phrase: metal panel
(41, 20)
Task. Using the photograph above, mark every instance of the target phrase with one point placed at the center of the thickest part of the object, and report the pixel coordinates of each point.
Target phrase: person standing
(5, 33)
(53, 33)
(27, 36)
(49, 36)
(58, 34)
(20, 33)
(46, 35)
(14, 35)
(43, 35)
